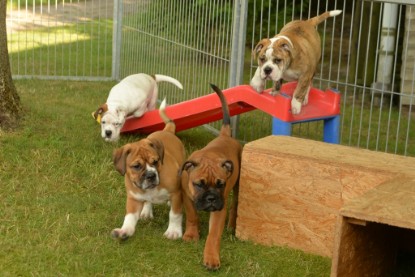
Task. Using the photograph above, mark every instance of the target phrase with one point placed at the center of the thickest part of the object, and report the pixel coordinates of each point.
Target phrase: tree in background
(10, 107)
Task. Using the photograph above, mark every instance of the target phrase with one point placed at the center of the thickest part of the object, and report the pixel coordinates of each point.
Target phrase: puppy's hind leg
(154, 95)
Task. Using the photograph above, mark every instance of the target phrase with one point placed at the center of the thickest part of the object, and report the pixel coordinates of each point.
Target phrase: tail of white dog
(164, 78)
(170, 125)
(320, 18)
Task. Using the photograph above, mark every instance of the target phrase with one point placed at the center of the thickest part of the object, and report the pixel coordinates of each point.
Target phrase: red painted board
(241, 99)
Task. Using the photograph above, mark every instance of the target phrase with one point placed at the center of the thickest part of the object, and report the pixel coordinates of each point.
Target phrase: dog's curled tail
(226, 127)
(170, 126)
(164, 78)
(320, 18)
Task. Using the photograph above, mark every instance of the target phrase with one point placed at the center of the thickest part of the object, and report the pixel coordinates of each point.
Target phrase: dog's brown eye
(262, 59)
(155, 162)
(220, 184)
(136, 166)
(199, 184)
(277, 61)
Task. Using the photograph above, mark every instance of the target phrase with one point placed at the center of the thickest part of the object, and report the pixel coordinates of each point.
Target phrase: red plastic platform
(241, 99)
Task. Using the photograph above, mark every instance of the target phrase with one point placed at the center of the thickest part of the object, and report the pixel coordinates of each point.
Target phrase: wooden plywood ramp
(292, 192)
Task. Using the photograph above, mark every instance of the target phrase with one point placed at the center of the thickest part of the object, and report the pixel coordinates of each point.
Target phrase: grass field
(61, 197)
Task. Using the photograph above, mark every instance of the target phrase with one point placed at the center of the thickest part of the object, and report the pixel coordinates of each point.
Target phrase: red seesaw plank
(241, 99)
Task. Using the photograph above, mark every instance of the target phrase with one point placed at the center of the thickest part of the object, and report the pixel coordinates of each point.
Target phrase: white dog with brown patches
(132, 97)
(293, 54)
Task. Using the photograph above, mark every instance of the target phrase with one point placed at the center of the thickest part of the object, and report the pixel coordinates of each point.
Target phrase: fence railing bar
(178, 44)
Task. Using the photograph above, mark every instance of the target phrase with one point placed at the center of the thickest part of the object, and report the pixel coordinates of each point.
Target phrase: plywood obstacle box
(353, 205)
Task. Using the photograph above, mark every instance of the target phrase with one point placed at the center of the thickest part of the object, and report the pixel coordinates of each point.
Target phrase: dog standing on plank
(133, 96)
(151, 168)
(293, 54)
(208, 177)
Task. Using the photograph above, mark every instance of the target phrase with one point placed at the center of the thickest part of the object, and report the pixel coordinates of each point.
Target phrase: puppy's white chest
(156, 196)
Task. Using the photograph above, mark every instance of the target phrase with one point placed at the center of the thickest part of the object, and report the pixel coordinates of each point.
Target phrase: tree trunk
(10, 107)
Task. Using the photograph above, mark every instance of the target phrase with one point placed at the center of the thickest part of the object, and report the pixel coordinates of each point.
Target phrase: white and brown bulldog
(151, 168)
(293, 54)
(208, 177)
(131, 97)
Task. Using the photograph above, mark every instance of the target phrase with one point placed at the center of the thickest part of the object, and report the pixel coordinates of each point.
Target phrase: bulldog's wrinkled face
(111, 124)
(207, 180)
(140, 163)
(274, 57)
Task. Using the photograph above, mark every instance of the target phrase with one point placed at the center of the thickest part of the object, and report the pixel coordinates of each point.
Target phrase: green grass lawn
(61, 197)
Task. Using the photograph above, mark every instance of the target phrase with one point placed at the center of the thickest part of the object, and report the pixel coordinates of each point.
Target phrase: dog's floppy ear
(119, 158)
(100, 111)
(261, 44)
(187, 166)
(159, 147)
(228, 166)
(286, 47)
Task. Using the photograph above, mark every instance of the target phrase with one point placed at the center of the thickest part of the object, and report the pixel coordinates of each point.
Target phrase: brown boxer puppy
(293, 54)
(151, 168)
(208, 176)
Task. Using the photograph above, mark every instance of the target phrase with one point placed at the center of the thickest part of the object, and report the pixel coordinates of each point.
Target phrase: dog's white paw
(172, 233)
(295, 106)
(147, 211)
(122, 234)
(257, 84)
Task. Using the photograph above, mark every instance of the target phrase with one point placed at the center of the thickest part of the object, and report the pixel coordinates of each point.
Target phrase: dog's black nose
(210, 198)
(150, 175)
(108, 133)
(267, 70)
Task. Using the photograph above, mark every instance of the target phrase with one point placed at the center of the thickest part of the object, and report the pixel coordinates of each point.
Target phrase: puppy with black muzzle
(131, 97)
(208, 176)
(293, 54)
(151, 168)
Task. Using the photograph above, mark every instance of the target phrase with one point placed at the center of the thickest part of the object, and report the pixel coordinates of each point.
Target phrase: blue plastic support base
(331, 132)
(280, 127)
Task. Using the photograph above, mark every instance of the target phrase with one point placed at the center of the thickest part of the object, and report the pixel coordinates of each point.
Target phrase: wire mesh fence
(367, 54)
(60, 39)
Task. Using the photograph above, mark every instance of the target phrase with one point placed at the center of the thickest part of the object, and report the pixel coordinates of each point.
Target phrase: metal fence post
(236, 70)
(116, 39)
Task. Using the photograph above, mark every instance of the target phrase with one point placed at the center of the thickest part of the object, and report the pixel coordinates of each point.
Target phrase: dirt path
(41, 16)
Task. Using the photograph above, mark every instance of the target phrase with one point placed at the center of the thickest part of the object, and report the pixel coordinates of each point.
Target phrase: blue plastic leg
(280, 127)
(332, 130)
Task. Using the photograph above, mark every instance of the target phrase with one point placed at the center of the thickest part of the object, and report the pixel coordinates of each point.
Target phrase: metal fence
(368, 54)
(60, 39)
